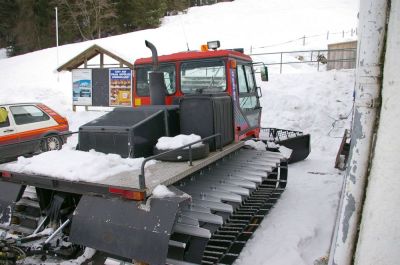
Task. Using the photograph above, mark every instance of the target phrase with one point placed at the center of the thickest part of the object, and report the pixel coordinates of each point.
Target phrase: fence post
(318, 62)
(281, 63)
(327, 35)
(304, 40)
(343, 33)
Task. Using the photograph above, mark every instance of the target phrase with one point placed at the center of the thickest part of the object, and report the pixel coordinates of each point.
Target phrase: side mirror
(264, 73)
(3, 115)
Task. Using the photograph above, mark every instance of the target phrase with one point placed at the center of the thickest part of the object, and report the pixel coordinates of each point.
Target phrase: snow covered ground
(298, 229)
(3, 54)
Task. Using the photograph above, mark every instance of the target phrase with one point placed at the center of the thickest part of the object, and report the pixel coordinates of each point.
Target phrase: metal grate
(276, 135)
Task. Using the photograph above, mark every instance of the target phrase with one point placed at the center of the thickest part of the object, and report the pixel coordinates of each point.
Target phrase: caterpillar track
(229, 202)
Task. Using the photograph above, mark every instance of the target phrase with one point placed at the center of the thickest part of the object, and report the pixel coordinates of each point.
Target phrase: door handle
(9, 130)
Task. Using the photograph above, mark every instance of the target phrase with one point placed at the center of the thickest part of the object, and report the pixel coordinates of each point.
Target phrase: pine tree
(125, 16)
(147, 13)
(8, 15)
(175, 6)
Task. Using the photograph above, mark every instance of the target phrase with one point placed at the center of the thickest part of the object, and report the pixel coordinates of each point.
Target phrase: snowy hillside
(298, 230)
(3, 53)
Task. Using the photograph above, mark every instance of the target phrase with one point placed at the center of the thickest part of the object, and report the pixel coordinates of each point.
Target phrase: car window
(4, 121)
(28, 114)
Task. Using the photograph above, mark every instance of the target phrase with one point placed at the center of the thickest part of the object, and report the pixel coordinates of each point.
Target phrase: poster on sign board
(120, 87)
(82, 87)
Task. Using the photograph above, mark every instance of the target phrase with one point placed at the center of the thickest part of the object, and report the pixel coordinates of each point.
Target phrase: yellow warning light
(204, 47)
(233, 64)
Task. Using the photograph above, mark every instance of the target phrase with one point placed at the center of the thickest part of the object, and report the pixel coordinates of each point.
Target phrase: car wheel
(51, 143)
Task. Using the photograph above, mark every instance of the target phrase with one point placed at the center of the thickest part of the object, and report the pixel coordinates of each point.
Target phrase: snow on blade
(166, 143)
(74, 165)
(258, 145)
(161, 191)
(286, 152)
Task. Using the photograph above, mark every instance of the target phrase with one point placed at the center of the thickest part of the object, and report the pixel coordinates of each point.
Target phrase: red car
(23, 126)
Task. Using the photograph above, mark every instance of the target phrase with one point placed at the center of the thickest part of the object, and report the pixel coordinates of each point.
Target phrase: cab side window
(250, 78)
(5, 122)
(142, 79)
(242, 80)
(247, 97)
(28, 114)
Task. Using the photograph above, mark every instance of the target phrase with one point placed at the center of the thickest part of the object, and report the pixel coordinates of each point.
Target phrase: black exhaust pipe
(154, 54)
(157, 87)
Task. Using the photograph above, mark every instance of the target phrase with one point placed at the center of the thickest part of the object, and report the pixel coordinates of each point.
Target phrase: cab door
(248, 100)
(8, 136)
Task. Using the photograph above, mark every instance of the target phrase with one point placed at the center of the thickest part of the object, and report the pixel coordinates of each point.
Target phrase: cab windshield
(203, 77)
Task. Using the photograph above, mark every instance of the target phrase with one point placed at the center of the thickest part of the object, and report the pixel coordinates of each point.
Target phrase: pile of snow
(258, 145)
(74, 165)
(316, 103)
(161, 191)
(167, 143)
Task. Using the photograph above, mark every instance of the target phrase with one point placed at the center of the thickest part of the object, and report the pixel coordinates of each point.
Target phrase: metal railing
(142, 179)
(346, 55)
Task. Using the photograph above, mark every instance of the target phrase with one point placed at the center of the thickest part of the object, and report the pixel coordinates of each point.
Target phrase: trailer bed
(160, 173)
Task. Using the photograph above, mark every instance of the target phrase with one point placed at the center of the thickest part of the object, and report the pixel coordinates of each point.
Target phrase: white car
(23, 127)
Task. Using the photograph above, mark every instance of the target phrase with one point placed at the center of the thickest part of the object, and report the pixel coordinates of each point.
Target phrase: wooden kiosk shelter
(90, 53)
(99, 81)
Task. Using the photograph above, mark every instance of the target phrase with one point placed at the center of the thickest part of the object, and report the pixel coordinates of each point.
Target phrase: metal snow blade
(295, 140)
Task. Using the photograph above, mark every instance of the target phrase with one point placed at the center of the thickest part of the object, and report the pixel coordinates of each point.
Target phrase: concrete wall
(379, 238)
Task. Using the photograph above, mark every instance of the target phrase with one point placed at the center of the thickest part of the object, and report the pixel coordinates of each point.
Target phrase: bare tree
(88, 17)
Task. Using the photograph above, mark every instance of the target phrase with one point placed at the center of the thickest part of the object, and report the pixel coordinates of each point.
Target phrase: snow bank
(74, 165)
(316, 103)
(166, 143)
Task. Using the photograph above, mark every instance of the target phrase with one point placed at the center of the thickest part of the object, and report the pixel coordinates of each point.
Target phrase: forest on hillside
(29, 25)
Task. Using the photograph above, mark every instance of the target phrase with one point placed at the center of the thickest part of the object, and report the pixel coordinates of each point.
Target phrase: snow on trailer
(71, 170)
